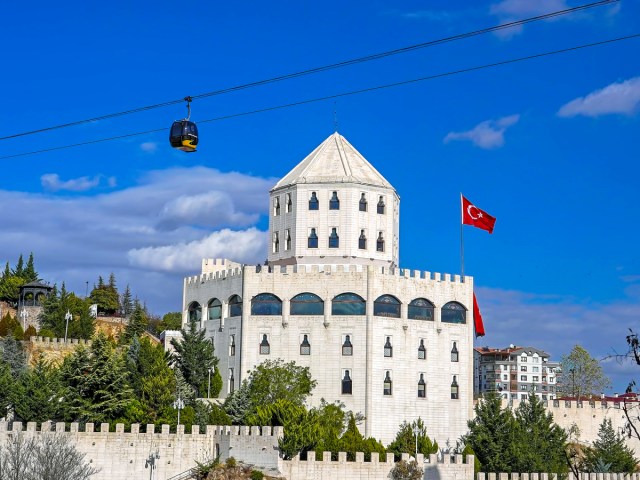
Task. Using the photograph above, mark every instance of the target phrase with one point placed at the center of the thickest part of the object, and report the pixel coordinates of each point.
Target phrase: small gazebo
(33, 294)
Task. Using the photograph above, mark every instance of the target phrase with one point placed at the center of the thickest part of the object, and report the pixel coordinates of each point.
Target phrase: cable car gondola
(184, 133)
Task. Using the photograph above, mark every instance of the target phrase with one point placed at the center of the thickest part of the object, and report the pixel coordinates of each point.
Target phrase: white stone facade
(425, 318)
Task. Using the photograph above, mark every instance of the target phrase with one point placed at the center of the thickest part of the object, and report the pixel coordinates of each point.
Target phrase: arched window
(313, 202)
(313, 239)
(422, 350)
(380, 243)
(266, 304)
(387, 306)
(348, 304)
(334, 202)
(265, 348)
(214, 308)
(422, 387)
(362, 241)
(455, 355)
(363, 203)
(347, 385)
(334, 240)
(420, 309)
(195, 312)
(305, 346)
(347, 347)
(453, 312)
(387, 386)
(232, 345)
(235, 306)
(306, 304)
(388, 348)
(381, 205)
(454, 389)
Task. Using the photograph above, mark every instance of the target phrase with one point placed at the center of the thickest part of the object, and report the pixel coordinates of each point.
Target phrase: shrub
(231, 462)
(257, 475)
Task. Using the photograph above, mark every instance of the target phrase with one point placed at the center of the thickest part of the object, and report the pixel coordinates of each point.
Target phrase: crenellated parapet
(58, 343)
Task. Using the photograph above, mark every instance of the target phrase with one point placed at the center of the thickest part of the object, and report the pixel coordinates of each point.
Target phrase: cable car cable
(332, 66)
(345, 94)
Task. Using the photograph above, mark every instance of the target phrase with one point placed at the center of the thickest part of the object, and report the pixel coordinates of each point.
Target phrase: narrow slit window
(381, 206)
(334, 202)
(388, 385)
(422, 387)
(287, 239)
(288, 204)
(231, 381)
(334, 239)
(363, 203)
(362, 241)
(265, 348)
(347, 347)
(347, 385)
(455, 355)
(232, 345)
(305, 346)
(388, 349)
(276, 242)
(276, 206)
(422, 351)
(314, 204)
(455, 393)
(380, 243)
(312, 241)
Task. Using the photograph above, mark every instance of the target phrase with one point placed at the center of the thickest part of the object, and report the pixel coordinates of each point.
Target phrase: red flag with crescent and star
(477, 318)
(472, 215)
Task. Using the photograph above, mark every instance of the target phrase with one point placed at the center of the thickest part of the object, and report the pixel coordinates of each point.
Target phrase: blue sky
(549, 146)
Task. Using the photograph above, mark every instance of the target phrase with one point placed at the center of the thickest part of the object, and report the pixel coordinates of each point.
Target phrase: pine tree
(492, 435)
(405, 441)
(194, 356)
(540, 443)
(19, 270)
(126, 302)
(7, 271)
(112, 281)
(14, 355)
(36, 397)
(136, 326)
(30, 274)
(610, 449)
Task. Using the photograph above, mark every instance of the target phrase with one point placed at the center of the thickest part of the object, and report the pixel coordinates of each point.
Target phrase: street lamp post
(24, 315)
(151, 463)
(178, 405)
(67, 317)
(415, 432)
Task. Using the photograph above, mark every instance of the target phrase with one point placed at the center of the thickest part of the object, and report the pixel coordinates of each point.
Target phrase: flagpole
(461, 240)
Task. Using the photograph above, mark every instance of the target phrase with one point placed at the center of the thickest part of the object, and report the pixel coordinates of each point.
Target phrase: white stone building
(391, 343)
(515, 372)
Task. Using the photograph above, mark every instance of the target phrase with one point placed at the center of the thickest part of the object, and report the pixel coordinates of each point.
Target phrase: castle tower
(334, 207)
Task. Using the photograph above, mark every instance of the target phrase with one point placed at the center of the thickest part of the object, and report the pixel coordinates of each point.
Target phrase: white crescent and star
(475, 208)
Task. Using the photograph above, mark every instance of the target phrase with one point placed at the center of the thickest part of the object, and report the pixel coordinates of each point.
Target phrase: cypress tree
(30, 274)
(126, 303)
(19, 270)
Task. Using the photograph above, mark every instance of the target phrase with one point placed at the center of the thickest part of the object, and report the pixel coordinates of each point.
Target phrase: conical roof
(334, 161)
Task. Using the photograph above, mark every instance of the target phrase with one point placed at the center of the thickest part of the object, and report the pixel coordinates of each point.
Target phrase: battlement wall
(448, 468)
(220, 272)
(58, 343)
(588, 416)
(122, 454)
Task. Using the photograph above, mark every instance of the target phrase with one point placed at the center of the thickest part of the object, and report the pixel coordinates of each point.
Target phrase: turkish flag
(477, 318)
(472, 215)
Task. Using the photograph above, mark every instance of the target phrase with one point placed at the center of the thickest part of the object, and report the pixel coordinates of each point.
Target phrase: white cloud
(247, 246)
(556, 323)
(52, 182)
(77, 238)
(149, 147)
(488, 134)
(621, 98)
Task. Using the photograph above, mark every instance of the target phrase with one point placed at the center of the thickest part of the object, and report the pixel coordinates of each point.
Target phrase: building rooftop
(334, 161)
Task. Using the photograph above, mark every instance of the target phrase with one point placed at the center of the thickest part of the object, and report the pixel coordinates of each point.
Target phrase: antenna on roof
(335, 116)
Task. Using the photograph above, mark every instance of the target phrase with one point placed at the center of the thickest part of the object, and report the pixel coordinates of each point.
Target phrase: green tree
(540, 443)
(10, 289)
(37, 394)
(30, 274)
(492, 434)
(96, 383)
(194, 356)
(19, 270)
(275, 380)
(136, 325)
(106, 296)
(54, 314)
(238, 404)
(405, 441)
(7, 384)
(610, 449)
(406, 471)
(582, 375)
(170, 321)
(14, 355)
(126, 302)
(352, 441)
(8, 324)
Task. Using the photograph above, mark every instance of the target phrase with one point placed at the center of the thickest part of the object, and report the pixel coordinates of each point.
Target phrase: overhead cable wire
(368, 58)
(345, 94)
